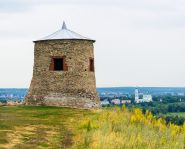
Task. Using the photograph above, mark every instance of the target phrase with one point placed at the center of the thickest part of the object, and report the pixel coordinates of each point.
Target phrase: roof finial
(64, 25)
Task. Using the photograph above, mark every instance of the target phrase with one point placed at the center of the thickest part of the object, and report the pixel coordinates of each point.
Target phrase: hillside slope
(38, 127)
(115, 128)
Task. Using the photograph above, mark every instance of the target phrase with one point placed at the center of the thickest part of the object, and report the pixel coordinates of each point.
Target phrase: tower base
(58, 99)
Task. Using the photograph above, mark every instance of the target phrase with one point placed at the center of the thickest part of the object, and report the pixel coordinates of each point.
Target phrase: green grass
(38, 127)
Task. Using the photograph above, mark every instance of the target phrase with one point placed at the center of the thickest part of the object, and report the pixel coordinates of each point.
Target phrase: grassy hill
(54, 128)
(38, 127)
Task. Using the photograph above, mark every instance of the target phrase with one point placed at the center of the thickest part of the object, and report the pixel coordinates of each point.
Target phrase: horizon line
(110, 87)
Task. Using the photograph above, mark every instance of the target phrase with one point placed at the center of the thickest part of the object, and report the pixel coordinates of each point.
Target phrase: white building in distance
(105, 102)
(146, 98)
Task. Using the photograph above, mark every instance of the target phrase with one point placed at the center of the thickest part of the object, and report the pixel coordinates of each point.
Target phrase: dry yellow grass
(120, 129)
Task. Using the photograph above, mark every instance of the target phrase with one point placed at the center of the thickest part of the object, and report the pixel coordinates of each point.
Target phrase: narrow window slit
(91, 64)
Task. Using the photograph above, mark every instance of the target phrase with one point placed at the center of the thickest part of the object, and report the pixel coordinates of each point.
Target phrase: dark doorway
(58, 64)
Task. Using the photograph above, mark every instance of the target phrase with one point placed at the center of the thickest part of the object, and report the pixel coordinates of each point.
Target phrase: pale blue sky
(138, 43)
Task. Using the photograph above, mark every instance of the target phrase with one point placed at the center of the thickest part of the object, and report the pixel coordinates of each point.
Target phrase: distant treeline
(163, 109)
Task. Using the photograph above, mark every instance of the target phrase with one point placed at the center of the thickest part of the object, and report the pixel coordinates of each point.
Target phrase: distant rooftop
(64, 33)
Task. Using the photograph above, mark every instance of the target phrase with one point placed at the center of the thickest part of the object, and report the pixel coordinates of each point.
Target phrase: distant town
(112, 96)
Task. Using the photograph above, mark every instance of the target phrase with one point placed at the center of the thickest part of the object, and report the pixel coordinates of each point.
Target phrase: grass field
(38, 127)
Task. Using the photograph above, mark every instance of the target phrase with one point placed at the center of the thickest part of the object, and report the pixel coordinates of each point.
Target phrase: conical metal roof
(64, 33)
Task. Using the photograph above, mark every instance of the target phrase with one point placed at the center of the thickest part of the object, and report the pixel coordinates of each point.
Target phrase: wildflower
(175, 130)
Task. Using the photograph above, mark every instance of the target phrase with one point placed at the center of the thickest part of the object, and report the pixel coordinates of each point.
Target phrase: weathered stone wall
(75, 87)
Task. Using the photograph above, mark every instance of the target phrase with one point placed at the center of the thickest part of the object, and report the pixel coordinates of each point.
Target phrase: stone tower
(63, 72)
